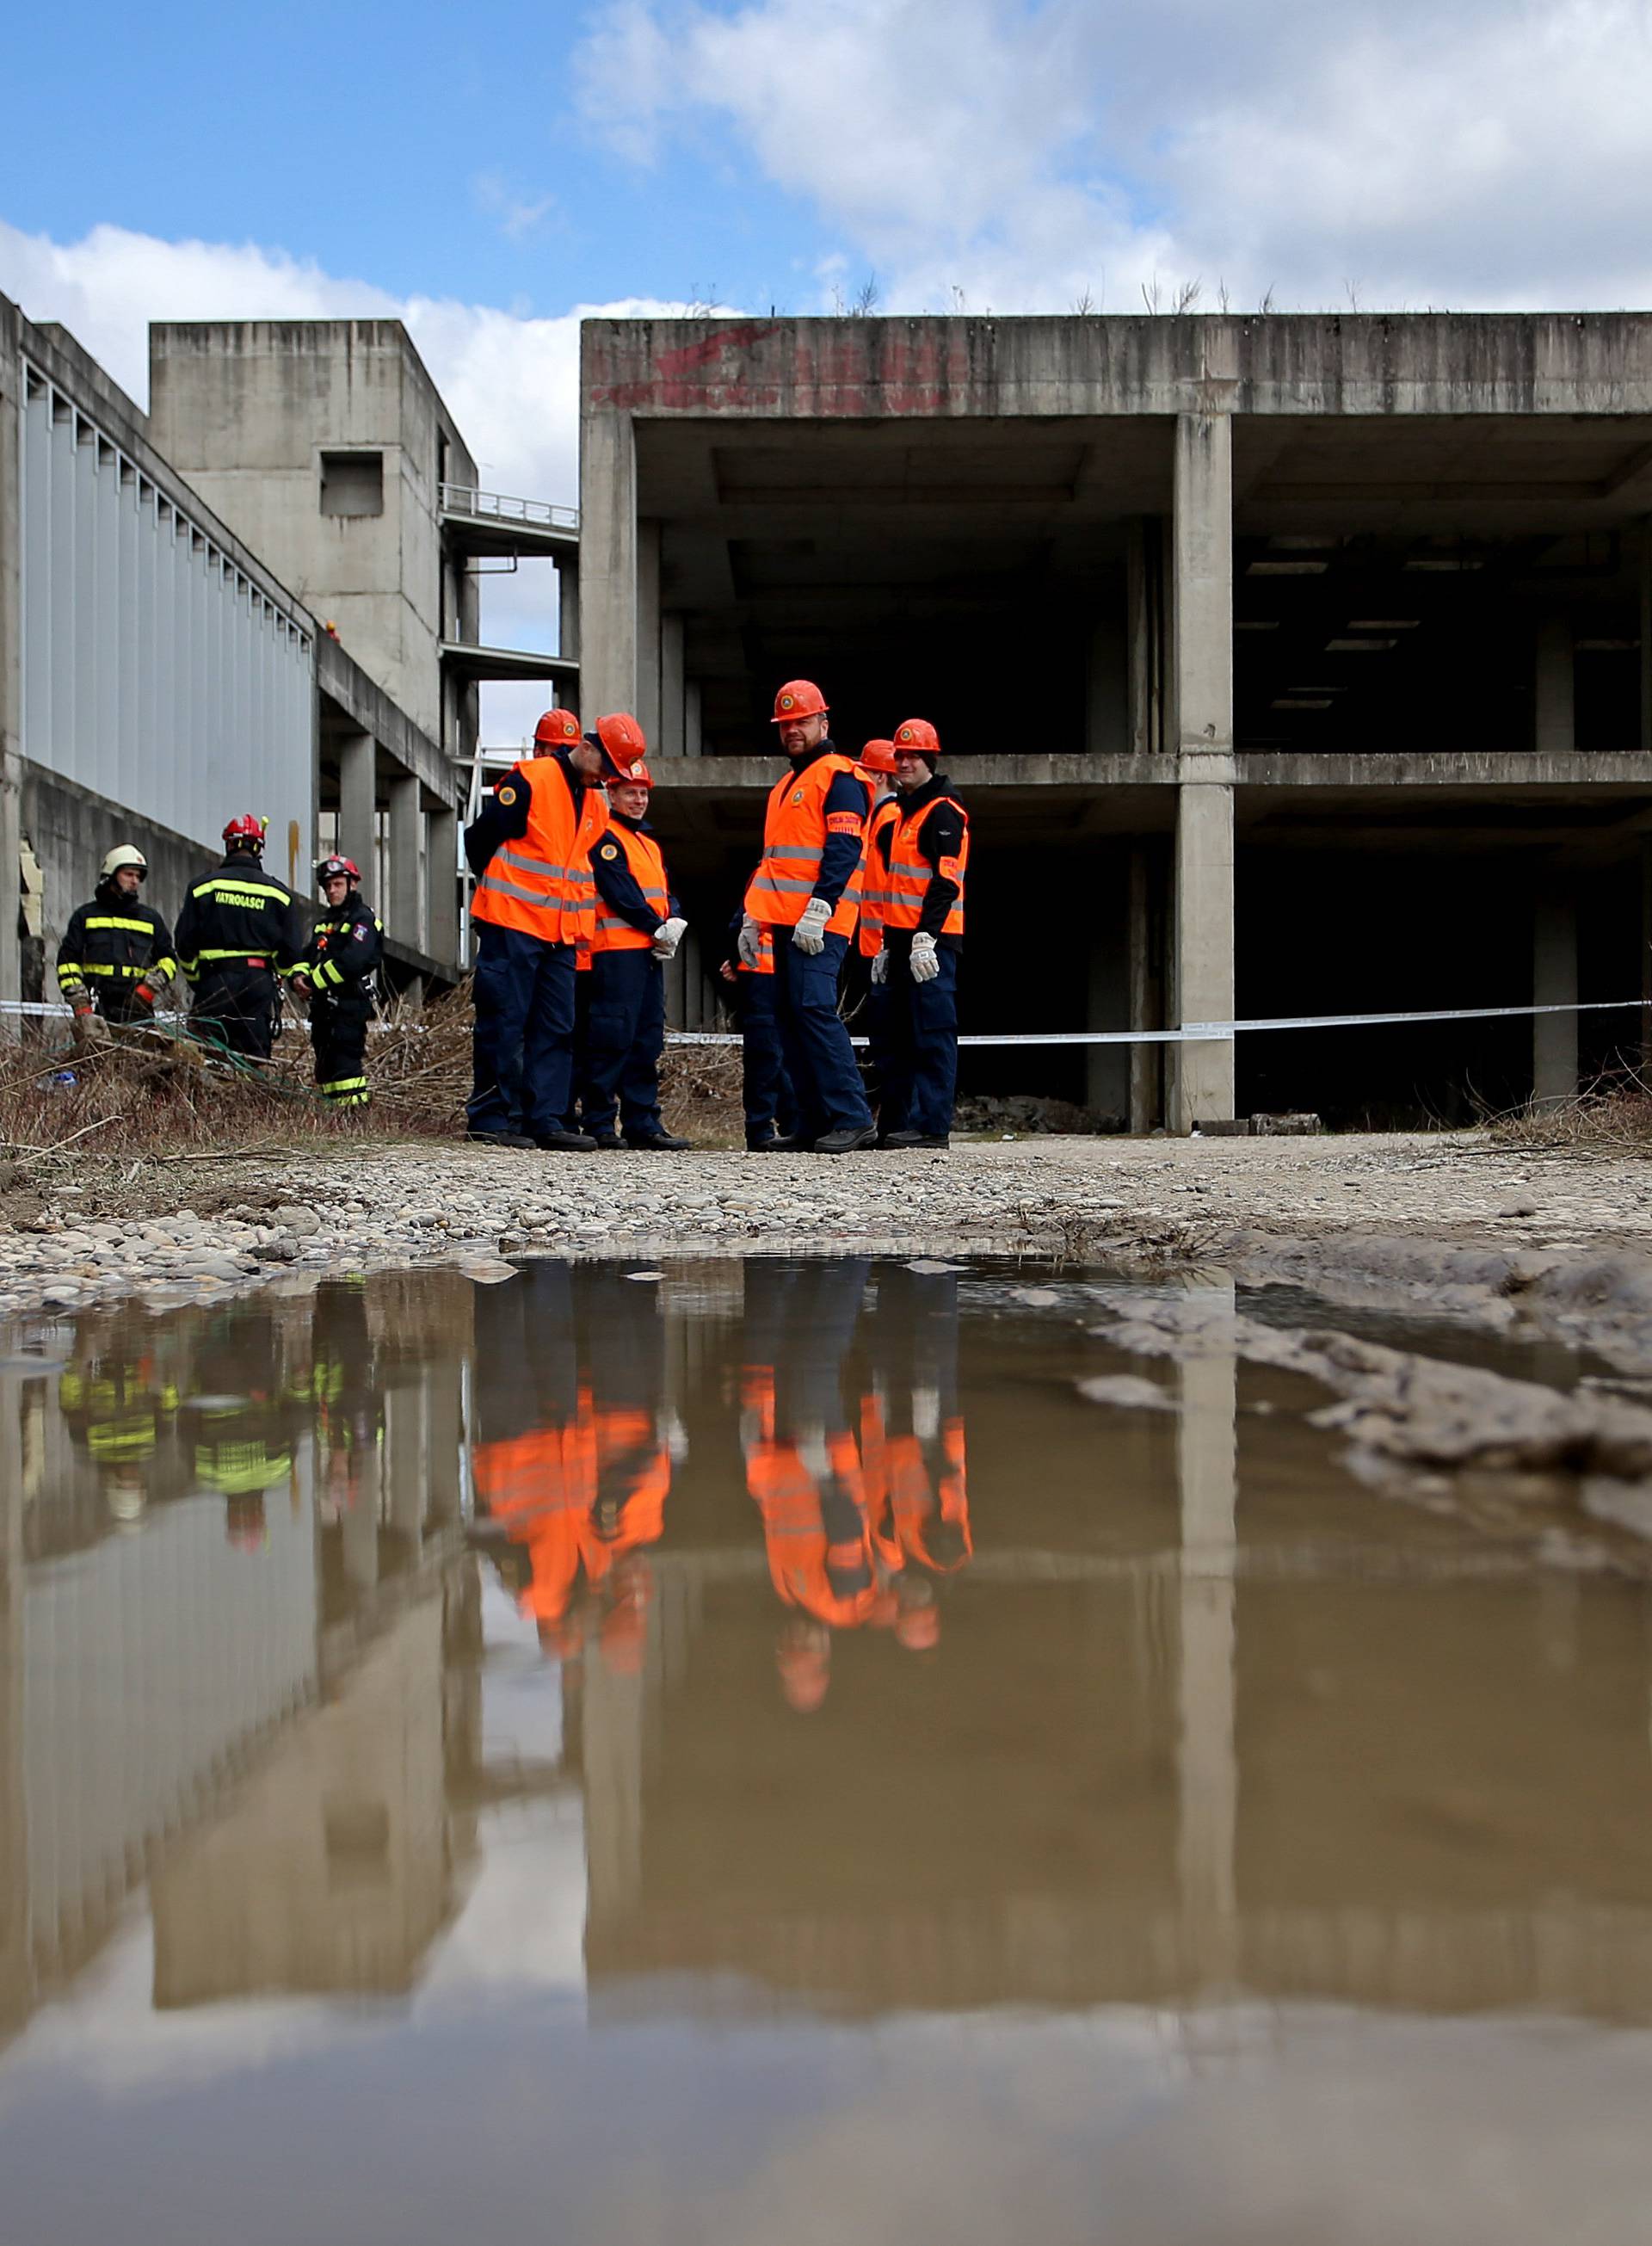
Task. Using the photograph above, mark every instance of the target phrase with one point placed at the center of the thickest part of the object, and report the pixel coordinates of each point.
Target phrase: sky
(490, 174)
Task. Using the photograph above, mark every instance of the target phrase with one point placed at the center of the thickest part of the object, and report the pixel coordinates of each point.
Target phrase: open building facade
(1289, 666)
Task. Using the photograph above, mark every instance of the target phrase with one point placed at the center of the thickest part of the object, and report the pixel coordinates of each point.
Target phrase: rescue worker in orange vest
(804, 892)
(921, 853)
(535, 908)
(622, 1027)
(876, 762)
(765, 1089)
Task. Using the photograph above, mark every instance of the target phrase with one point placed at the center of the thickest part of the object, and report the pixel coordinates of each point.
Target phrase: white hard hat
(124, 854)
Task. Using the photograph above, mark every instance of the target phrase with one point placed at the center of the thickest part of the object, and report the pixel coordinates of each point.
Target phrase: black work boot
(848, 1142)
(903, 1141)
(500, 1139)
(657, 1142)
(564, 1142)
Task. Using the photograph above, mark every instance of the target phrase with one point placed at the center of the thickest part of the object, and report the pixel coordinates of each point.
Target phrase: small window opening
(352, 483)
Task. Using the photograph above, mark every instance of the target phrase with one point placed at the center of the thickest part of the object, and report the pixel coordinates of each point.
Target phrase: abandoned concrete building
(1289, 665)
(257, 595)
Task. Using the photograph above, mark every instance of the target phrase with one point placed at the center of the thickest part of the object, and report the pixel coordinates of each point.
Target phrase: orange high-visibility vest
(794, 833)
(910, 874)
(874, 886)
(643, 855)
(913, 1503)
(541, 883)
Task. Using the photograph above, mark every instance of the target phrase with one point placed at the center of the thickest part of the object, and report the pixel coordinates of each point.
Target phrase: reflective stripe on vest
(794, 834)
(647, 868)
(910, 874)
(540, 884)
(874, 885)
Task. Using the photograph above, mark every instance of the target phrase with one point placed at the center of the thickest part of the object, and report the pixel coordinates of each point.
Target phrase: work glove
(925, 966)
(809, 934)
(879, 966)
(667, 936)
(750, 943)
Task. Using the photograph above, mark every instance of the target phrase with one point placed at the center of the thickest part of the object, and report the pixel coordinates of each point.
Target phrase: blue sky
(489, 174)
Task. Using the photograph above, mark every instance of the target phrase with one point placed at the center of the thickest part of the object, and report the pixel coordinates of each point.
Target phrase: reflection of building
(332, 1869)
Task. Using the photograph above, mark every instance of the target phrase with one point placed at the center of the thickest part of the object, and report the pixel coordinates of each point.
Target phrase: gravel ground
(213, 1227)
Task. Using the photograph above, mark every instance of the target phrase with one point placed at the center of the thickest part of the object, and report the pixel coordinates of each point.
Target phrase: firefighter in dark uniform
(622, 1011)
(337, 975)
(238, 934)
(921, 854)
(116, 955)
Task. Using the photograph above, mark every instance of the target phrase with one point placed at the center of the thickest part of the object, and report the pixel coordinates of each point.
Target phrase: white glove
(750, 946)
(879, 966)
(809, 934)
(925, 966)
(667, 936)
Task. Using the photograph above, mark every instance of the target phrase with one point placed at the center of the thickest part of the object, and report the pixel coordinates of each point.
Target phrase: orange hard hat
(621, 738)
(799, 697)
(877, 757)
(557, 728)
(918, 1629)
(916, 737)
(637, 775)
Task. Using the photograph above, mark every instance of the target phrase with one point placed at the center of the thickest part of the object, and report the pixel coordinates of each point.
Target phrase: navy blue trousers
(818, 1058)
(522, 1050)
(917, 1047)
(622, 1035)
(765, 1089)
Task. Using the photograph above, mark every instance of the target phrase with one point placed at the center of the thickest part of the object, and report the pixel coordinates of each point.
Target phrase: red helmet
(328, 869)
(799, 697)
(246, 829)
(916, 737)
(620, 739)
(557, 728)
(877, 757)
(637, 775)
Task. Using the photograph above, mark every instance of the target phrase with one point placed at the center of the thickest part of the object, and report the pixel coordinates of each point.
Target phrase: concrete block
(1285, 1127)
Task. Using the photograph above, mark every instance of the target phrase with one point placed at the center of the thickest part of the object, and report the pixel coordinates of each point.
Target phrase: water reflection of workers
(245, 1421)
(912, 1445)
(118, 1402)
(346, 1399)
(803, 1466)
(633, 1440)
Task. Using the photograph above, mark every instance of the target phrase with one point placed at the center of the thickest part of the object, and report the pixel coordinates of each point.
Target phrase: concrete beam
(1202, 683)
(358, 802)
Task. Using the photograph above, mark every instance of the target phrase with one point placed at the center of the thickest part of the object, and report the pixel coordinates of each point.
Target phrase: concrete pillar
(1143, 723)
(1207, 1754)
(11, 659)
(358, 803)
(672, 710)
(567, 612)
(405, 1462)
(404, 908)
(647, 705)
(1202, 672)
(1553, 696)
(1107, 688)
(1107, 1067)
(1554, 983)
(1645, 635)
(608, 563)
(444, 1414)
(1145, 996)
(693, 731)
(441, 886)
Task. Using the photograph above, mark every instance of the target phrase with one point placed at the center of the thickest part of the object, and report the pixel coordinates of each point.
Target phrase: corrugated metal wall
(155, 672)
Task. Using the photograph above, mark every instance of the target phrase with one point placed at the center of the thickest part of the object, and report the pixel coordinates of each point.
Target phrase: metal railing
(495, 506)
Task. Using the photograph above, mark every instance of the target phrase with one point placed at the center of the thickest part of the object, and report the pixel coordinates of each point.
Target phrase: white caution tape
(1206, 1033)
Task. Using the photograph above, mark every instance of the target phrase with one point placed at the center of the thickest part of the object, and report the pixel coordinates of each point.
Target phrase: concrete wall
(247, 409)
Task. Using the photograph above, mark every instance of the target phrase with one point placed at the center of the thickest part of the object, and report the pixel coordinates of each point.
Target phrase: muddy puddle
(713, 1754)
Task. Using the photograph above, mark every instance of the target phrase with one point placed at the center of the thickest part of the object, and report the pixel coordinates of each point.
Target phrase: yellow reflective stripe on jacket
(109, 920)
(224, 886)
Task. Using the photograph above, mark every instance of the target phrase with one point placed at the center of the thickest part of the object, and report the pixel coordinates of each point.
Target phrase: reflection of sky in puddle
(1211, 1850)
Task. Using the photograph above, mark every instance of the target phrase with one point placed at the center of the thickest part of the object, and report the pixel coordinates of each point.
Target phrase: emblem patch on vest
(610, 850)
(504, 794)
(798, 796)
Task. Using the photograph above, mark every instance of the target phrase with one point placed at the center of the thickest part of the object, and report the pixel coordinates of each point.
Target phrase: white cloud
(1025, 151)
(511, 382)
